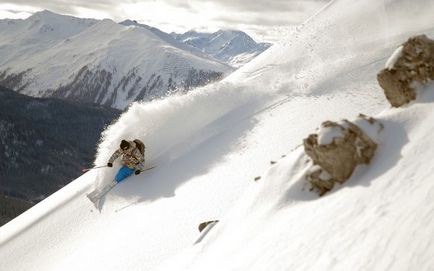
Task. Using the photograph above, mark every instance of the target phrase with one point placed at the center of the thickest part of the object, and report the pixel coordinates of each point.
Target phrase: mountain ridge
(234, 47)
(96, 61)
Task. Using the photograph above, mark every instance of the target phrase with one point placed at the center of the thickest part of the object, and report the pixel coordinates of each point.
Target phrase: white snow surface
(390, 63)
(210, 144)
(326, 135)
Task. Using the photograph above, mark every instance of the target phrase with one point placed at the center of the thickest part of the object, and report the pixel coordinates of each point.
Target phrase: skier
(132, 153)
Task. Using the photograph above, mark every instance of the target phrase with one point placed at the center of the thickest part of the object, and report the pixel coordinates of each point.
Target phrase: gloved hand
(109, 164)
(137, 172)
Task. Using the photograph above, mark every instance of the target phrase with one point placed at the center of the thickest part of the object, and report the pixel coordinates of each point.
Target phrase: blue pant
(123, 173)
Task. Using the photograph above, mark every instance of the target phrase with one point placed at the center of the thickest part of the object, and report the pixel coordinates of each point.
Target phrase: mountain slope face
(44, 143)
(167, 38)
(324, 70)
(233, 47)
(50, 55)
(12, 207)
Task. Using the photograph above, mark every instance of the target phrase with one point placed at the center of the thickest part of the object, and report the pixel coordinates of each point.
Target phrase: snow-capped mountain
(252, 124)
(233, 47)
(52, 55)
(167, 38)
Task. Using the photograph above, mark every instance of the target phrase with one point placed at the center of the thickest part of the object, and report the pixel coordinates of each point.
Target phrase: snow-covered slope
(381, 219)
(96, 61)
(43, 27)
(233, 47)
(167, 38)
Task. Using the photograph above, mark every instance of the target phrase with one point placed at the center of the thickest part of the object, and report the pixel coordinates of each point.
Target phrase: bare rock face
(203, 225)
(411, 63)
(320, 180)
(336, 151)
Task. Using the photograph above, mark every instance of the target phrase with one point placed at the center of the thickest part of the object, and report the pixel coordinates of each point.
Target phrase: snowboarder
(132, 153)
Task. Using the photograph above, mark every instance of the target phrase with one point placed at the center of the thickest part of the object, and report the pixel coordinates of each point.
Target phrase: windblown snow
(209, 145)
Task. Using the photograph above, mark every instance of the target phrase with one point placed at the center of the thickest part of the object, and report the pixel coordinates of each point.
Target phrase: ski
(97, 196)
(84, 170)
(146, 169)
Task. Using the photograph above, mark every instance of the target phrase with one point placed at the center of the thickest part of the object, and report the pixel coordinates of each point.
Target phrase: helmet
(125, 144)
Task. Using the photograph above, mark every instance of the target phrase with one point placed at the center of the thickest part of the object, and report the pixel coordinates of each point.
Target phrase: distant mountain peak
(50, 15)
(129, 22)
(46, 12)
(230, 46)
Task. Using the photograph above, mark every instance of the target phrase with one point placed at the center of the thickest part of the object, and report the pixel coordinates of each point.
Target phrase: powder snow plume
(168, 127)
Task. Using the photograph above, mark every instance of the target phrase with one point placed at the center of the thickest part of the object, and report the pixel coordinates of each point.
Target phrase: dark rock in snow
(203, 225)
(336, 151)
(410, 65)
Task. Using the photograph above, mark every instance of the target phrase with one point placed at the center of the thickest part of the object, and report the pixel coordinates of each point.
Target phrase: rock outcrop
(203, 225)
(336, 150)
(320, 180)
(410, 65)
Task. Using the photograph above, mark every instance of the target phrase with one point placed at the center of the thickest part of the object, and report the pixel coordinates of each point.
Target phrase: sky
(262, 19)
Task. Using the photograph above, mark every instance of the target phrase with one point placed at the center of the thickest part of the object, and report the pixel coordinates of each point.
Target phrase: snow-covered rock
(411, 65)
(338, 148)
(320, 180)
(103, 62)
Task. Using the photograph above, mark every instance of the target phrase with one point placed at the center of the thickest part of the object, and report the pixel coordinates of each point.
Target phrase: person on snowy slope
(132, 153)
